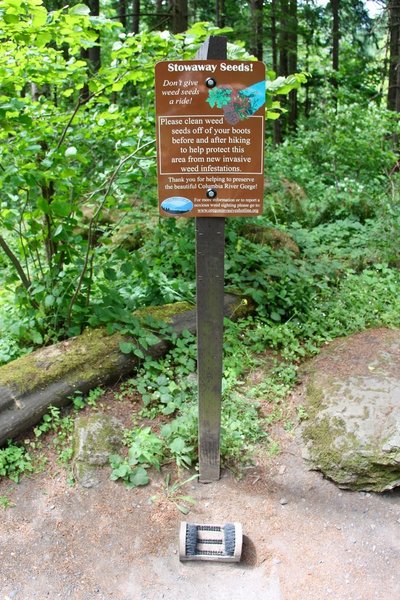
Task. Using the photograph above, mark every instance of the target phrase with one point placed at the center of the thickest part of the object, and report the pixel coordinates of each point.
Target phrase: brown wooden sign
(210, 137)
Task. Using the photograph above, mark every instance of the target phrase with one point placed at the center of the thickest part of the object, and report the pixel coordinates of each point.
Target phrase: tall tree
(135, 16)
(257, 17)
(179, 15)
(274, 39)
(335, 7)
(220, 13)
(284, 39)
(393, 98)
(277, 130)
(122, 12)
(292, 61)
(93, 53)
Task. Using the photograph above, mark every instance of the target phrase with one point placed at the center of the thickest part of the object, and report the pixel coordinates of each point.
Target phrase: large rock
(352, 433)
(95, 438)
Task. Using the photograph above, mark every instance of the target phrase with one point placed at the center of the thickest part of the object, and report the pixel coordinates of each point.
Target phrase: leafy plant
(15, 461)
(172, 493)
(6, 502)
(145, 451)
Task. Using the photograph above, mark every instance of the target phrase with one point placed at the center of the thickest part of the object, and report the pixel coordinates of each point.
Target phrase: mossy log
(51, 375)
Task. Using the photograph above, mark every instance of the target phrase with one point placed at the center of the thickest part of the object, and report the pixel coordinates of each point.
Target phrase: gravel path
(305, 539)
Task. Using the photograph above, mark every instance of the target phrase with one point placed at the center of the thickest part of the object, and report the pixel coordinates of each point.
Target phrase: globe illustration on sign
(177, 205)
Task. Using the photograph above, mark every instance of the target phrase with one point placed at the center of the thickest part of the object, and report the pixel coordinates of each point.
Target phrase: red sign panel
(210, 137)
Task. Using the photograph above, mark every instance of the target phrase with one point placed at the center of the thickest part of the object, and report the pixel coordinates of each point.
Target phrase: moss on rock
(346, 444)
(95, 438)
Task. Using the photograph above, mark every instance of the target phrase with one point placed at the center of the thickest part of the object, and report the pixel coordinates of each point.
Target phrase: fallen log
(52, 375)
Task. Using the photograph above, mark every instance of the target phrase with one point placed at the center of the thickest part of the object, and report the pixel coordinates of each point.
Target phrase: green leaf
(178, 445)
(43, 38)
(272, 115)
(110, 274)
(39, 16)
(49, 300)
(36, 337)
(58, 230)
(275, 316)
(127, 268)
(79, 10)
(61, 209)
(139, 477)
(126, 347)
(71, 151)
(138, 353)
(120, 472)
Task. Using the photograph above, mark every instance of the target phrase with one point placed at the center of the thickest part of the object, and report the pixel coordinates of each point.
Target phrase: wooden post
(210, 188)
(210, 244)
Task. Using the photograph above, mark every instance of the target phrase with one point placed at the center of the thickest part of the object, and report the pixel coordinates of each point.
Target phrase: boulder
(95, 438)
(352, 403)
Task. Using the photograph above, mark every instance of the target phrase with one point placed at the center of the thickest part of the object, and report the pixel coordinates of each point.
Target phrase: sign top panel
(210, 137)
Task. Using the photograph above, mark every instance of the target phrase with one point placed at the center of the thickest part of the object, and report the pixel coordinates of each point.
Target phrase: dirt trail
(305, 539)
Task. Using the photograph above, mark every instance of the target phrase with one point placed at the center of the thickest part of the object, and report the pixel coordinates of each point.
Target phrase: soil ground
(305, 539)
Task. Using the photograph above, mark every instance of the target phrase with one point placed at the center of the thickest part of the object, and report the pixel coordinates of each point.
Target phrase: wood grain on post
(210, 244)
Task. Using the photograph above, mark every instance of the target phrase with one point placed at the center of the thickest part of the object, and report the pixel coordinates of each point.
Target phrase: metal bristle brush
(210, 542)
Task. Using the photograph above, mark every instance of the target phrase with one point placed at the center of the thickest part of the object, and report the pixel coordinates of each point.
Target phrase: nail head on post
(210, 82)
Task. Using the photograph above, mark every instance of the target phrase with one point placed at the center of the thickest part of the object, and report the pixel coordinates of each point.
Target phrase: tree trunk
(220, 13)
(283, 68)
(257, 17)
(335, 7)
(292, 62)
(277, 130)
(179, 15)
(136, 16)
(283, 60)
(393, 98)
(51, 376)
(122, 12)
(274, 42)
(94, 53)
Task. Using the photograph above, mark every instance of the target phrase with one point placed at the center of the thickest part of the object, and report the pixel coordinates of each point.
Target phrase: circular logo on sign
(177, 205)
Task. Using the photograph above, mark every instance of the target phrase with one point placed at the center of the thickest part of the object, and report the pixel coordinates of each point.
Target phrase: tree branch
(93, 221)
(18, 267)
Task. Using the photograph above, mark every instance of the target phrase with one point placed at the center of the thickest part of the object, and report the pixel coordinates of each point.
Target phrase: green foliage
(69, 150)
(145, 451)
(79, 400)
(337, 166)
(168, 388)
(52, 421)
(74, 147)
(15, 461)
(172, 492)
(280, 86)
(6, 502)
